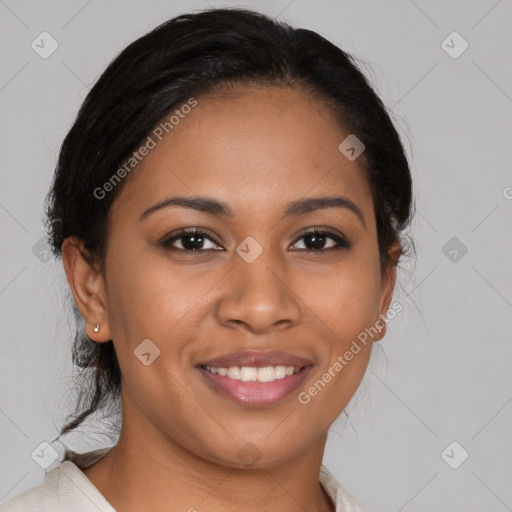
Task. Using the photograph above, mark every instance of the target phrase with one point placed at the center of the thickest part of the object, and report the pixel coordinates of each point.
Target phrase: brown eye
(190, 240)
(316, 240)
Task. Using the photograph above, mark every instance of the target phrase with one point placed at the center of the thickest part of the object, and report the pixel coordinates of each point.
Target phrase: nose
(259, 297)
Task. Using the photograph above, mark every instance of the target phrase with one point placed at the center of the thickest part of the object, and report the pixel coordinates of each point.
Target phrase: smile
(254, 374)
(254, 386)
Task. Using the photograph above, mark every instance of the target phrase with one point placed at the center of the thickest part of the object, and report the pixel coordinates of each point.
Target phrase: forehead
(247, 147)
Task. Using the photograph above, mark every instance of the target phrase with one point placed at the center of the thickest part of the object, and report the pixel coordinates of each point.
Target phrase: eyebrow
(292, 209)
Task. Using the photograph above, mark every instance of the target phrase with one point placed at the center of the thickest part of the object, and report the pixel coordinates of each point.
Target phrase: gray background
(442, 373)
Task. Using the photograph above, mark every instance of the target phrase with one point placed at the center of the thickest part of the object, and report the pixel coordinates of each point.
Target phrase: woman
(229, 206)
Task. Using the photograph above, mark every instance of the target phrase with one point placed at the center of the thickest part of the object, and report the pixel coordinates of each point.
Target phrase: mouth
(255, 379)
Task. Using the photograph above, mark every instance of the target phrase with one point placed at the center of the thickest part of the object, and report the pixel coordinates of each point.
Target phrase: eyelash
(342, 243)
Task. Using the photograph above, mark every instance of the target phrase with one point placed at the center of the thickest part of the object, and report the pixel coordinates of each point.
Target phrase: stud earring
(96, 328)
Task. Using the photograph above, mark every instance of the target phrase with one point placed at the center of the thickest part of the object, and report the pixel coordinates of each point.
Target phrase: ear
(88, 287)
(387, 287)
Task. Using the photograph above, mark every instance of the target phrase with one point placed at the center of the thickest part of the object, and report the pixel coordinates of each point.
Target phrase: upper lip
(257, 359)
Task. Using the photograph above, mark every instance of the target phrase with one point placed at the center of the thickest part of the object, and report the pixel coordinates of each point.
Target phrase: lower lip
(254, 393)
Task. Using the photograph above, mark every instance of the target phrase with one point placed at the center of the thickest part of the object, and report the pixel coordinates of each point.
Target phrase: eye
(317, 238)
(191, 240)
(197, 240)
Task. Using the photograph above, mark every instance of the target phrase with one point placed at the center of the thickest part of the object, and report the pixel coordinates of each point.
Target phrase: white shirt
(67, 489)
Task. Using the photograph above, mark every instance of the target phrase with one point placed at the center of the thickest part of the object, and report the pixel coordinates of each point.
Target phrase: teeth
(252, 374)
(248, 374)
(280, 372)
(234, 372)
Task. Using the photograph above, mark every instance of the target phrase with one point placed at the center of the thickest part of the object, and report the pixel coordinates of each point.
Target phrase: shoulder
(64, 489)
(342, 499)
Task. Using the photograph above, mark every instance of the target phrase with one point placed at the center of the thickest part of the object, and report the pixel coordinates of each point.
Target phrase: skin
(255, 149)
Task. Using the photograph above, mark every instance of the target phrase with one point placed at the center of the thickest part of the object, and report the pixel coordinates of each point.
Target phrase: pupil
(317, 239)
(195, 240)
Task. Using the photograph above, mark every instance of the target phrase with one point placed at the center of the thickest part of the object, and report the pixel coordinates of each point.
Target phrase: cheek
(146, 293)
(345, 297)
(346, 308)
(147, 302)
(345, 302)
(150, 299)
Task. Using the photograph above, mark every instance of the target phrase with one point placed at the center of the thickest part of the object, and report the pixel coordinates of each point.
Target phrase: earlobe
(87, 285)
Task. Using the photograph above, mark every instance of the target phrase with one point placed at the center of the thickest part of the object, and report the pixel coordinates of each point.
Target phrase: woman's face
(246, 284)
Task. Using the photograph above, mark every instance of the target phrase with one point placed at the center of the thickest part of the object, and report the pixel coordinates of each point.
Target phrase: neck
(147, 470)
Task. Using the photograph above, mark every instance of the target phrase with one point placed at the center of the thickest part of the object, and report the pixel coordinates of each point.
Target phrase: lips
(255, 379)
(257, 360)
